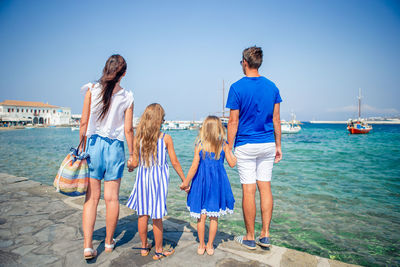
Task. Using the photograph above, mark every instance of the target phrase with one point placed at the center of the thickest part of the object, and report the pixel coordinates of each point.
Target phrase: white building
(13, 112)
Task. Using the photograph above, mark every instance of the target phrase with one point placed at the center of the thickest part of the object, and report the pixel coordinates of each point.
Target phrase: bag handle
(83, 146)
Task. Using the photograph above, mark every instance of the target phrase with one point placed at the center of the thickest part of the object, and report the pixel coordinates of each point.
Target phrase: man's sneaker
(249, 244)
(264, 242)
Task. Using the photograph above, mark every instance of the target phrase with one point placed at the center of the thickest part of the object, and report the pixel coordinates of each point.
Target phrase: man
(255, 128)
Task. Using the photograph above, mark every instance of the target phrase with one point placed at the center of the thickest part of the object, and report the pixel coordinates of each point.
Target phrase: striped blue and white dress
(149, 194)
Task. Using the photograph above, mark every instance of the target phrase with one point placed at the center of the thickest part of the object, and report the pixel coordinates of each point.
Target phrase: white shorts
(255, 162)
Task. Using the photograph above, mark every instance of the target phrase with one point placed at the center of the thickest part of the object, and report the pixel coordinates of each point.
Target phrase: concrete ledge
(39, 227)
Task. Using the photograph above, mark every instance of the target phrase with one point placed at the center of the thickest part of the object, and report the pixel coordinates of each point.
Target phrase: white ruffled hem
(210, 213)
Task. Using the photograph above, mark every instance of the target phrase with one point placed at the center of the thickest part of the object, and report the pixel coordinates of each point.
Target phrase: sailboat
(290, 127)
(358, 126)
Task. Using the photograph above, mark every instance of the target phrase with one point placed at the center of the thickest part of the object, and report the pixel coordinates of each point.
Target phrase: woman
(106, 116)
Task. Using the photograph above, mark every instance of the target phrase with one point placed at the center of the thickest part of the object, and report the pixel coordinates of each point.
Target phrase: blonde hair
(212, 136)
(148, 133)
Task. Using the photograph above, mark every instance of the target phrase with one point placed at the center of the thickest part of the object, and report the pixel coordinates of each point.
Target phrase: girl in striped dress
(149, 194)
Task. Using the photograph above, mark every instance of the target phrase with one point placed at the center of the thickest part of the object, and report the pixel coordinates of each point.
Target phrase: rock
(9, 258)
(6, 244)
(22, 250)
(293, 258)
(231, 262)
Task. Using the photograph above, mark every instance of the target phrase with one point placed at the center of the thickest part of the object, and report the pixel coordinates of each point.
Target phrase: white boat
(290, 127)
(76, 128)
(175, 125)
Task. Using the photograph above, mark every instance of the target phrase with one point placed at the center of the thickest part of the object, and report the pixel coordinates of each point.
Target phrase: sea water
(335, 195)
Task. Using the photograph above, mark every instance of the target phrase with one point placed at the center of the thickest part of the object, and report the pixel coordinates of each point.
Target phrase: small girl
(210, 194)
(149, 194)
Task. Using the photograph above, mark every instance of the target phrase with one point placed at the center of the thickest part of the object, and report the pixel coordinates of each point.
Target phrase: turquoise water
(336, 195)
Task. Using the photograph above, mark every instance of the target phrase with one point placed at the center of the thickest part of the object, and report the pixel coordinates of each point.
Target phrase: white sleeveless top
(112, 125)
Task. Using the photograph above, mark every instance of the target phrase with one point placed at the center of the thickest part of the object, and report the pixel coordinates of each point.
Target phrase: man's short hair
(254, 56)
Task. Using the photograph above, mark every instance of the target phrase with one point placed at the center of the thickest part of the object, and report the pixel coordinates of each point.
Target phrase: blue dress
(210, 192)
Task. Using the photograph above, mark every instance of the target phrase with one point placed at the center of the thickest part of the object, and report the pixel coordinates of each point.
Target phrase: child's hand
(183, 186)
(233, 157)
(187, 189)
(129, 165)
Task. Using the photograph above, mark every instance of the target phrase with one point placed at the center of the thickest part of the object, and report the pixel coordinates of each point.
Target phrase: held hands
(130, 164)
(184, 186)
(233, 157)
(278, 154)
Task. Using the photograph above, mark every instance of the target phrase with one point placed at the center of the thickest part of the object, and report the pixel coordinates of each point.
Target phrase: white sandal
(93, 253)
(109, 247)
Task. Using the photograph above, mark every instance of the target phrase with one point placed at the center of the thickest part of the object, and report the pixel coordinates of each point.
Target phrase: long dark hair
(113, 70)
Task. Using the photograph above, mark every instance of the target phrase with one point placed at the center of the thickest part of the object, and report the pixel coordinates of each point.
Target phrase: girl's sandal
(163, 254)
(210, 251)
(109, 247)
(201, 251)
(145, 251)
(93, 253)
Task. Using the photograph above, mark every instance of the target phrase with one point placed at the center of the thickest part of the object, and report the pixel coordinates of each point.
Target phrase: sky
(318, 53)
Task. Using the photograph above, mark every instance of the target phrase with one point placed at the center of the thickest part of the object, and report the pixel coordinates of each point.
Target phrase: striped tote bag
(73, 175)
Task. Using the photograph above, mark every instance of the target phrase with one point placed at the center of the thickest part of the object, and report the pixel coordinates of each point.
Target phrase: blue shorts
(107, 158)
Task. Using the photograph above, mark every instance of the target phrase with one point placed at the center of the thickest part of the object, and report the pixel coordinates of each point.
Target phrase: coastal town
(26, 114)
(15, 114)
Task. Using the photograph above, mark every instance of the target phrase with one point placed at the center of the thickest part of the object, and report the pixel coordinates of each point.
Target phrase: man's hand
(278, 154)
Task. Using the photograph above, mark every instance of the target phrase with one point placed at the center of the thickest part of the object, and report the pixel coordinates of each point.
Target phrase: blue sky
(178, 52)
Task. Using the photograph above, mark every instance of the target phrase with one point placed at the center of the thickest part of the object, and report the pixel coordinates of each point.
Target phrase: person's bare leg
(266, 202)
(249, 209)
(158, 234)
(142, 229)
(212, 232)
(111, 194)
(201, 228)
(90, 211)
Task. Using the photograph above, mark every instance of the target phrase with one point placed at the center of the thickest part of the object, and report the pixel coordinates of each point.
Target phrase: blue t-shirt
(255, 98)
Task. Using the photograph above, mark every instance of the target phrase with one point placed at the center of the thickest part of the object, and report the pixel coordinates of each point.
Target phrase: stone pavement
(39, 227)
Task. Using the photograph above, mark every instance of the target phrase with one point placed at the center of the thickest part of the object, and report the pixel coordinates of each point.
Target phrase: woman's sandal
(93, 253)
(146, 250)
(201, 251)
(210, 251)
(163, 254)
(109, 247)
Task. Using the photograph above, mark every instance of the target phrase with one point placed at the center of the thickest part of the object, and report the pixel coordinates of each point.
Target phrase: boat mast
(359, 104)
(223, 98)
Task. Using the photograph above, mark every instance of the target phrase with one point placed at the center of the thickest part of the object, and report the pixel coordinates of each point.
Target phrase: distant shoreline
(393, 122)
